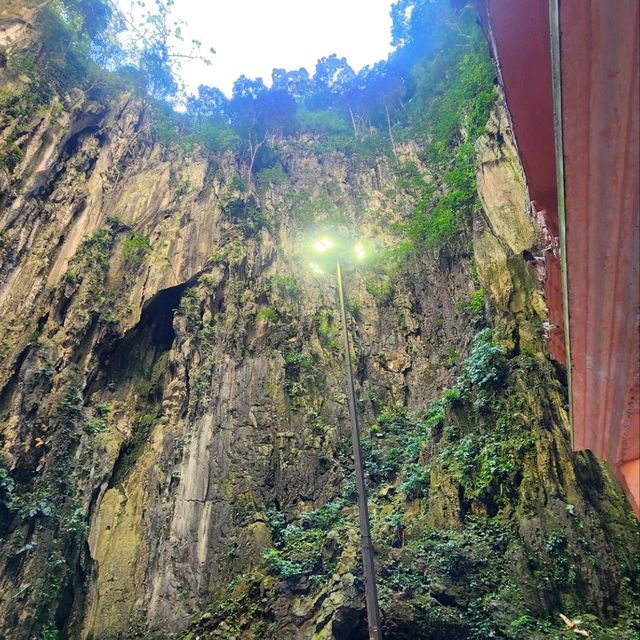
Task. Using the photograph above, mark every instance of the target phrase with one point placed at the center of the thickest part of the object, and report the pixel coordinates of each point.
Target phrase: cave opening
(136, 354)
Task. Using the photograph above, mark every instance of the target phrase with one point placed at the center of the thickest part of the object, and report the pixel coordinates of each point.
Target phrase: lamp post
(325, 247)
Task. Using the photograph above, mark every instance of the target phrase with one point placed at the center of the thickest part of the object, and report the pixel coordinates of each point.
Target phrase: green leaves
(278, 566)
(300, 544)
(486, 363)
(135, 248)
(268, 314)
(448, 111)
(7, 488)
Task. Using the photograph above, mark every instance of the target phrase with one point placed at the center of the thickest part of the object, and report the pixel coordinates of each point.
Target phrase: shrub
(476, 302)
(11, 155)
(327, 122)
(7, 487)
(326, 516)
(267, 314)
(135, 248)
(294, 360)
(417, 480)
(288, 283)
(394, 420)
(295, 364)
(278, 566)
(271, 176)
(327, 330)
(486, 362)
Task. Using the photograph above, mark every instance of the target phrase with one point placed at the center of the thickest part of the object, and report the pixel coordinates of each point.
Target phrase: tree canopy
(435, 89)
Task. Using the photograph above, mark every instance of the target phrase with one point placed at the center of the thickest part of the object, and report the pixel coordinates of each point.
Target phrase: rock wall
(174, 431)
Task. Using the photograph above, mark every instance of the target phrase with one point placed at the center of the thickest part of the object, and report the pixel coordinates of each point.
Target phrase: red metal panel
(553, 296)
(599, 61)
(519, 33)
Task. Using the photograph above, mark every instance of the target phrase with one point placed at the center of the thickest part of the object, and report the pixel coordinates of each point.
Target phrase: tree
(153, 43)
(276, 109)
(296, 83)
(75, 37)
(245, 108)
(83, 39)
(332, 77)
(416, 25)
(375, 95)
(210, 104)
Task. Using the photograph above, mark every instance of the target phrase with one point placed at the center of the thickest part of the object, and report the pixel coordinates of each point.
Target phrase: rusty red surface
(553, 298)
(519, 31)
(599, 62)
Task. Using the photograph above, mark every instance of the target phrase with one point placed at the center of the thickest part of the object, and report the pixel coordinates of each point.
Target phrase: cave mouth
(350, 624)
(157, 315)
(135, 354)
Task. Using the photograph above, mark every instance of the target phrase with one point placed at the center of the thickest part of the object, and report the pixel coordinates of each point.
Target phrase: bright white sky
(252, 37)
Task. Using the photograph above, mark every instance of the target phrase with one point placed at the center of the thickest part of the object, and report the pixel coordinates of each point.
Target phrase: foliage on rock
(175, 441)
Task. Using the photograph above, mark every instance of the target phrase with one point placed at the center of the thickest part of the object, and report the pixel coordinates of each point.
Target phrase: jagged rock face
(172, 396)
(175, 350)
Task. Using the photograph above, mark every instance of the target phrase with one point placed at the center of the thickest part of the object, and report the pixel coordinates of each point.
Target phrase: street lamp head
(340, 246)
(324, 245)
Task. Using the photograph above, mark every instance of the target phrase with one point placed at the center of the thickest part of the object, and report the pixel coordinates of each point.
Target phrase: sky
(252, 37)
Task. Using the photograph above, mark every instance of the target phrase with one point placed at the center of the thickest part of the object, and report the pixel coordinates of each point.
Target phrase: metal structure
(569, 69)
(329, 248)
(371, 591)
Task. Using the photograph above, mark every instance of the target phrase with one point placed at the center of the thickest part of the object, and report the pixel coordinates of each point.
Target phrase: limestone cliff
(175, 449)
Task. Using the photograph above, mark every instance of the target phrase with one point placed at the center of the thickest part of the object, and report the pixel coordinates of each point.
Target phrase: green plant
(473, 307)
(271, 176)
(111, 320)
(238, 184)
(486, 363)
(326, 516)
(394, 419)
(327, 329)
(91, 263)
(380, 287)
(189, 304)
(556, 542)
(135, 248)
(71, 278)
(477, 301)
(268, 314)
(278, 566)
(286, 282)
(276, 522)
(179, 188)
(295, 360)
(76, 525)
(7, 487)
(11, 155)
(49, 632)
(416, 482)
(296, 365)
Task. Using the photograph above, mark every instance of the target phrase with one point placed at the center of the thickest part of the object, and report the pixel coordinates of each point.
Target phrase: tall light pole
(371, 592)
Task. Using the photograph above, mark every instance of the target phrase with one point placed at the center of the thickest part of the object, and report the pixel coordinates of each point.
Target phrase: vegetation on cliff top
(435, 90)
